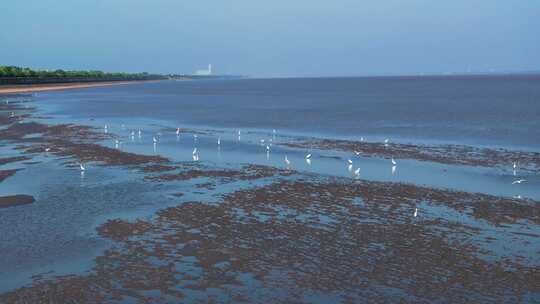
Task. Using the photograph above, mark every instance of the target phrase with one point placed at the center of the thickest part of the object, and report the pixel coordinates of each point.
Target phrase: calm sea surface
(492, 111)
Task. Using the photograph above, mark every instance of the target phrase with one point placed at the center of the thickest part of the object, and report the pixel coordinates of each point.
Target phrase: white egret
(219, 141)
(357, 172)
(357, 153)
(308, 161)
(393, 170)
(287, 161)
(81, 166)
(177, 131)
(415, 212)
(519, 181)
(308, 156)
(393, 161)
(267, 148)
(140, 133)
(349, 161)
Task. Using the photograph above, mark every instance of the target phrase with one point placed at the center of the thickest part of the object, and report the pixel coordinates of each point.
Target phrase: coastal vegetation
(19, 75)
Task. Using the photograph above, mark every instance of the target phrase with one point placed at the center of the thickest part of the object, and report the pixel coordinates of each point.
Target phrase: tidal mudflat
(183, 220)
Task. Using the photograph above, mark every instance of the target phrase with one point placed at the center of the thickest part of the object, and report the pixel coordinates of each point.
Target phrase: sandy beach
(11, 89)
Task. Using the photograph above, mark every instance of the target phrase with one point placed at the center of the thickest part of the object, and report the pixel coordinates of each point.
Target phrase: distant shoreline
(23, 88)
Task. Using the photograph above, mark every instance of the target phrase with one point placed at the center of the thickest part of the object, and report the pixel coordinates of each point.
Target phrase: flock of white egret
(308, 157)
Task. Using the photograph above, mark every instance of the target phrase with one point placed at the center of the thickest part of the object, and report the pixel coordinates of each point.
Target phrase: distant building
(204, 72)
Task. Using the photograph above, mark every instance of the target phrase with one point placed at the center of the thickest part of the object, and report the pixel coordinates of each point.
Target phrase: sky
(278, 38)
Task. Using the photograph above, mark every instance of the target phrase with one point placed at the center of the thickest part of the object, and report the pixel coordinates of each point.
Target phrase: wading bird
(357, 173)
(287, 161)
(519, 181)
(308, 156)
(177, 131)
(415, 212)
(219, 141)
(393, 161)
(81, 166)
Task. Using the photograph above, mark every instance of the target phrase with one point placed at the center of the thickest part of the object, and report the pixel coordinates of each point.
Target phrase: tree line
(13, 71)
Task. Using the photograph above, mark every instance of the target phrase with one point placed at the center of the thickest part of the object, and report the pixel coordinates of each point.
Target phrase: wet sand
(291, 237)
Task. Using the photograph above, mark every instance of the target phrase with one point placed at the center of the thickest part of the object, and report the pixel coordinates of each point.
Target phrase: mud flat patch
(7, 160)
(15, 200)
(73, 141)
(248, 172)
(446, 154)
(7, 173)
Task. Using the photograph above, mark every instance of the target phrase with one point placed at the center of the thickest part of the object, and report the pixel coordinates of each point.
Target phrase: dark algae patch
(15, 200)
(304, 239)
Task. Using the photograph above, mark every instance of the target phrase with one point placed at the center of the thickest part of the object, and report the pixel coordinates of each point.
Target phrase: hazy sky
(272, 38)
